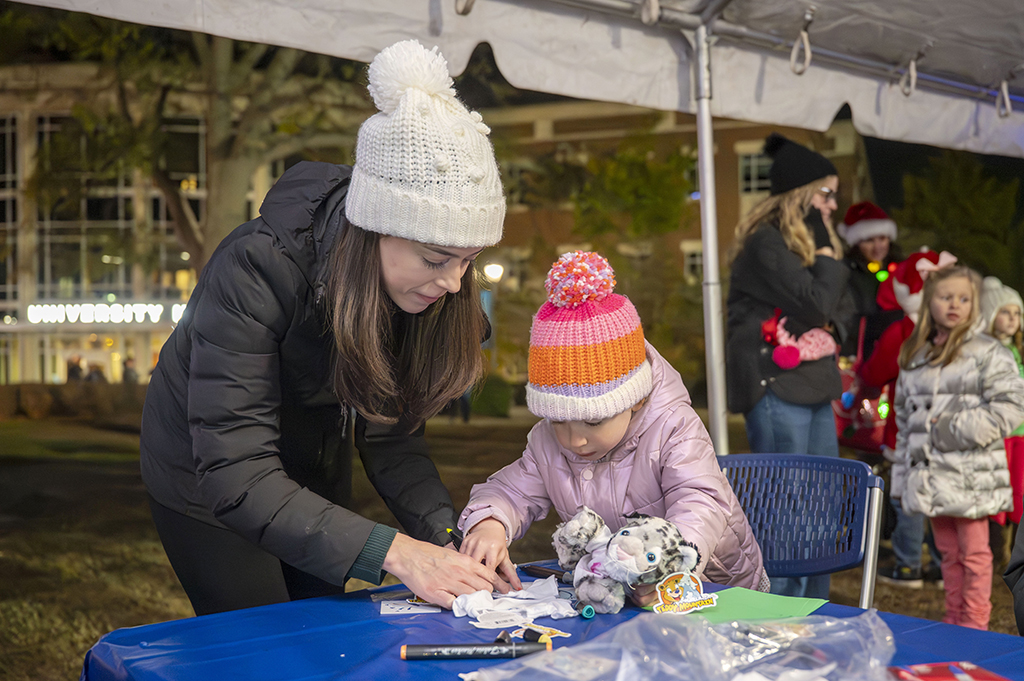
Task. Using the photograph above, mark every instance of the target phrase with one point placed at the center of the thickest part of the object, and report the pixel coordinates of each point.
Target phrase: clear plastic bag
(654, 647)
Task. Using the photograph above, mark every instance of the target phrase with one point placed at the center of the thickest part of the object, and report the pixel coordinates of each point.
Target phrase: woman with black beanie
(785, 274)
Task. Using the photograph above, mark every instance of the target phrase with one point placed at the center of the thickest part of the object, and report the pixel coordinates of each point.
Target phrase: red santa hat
(902, 290)
(865, 220)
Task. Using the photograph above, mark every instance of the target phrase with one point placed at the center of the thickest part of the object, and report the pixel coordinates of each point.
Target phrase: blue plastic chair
(812, 515)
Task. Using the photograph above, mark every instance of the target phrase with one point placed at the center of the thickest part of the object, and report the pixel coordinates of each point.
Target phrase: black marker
(461, 651)
(456, 537)
(538, 571)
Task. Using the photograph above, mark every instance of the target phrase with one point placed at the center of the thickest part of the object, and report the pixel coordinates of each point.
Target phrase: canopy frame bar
(675, 19)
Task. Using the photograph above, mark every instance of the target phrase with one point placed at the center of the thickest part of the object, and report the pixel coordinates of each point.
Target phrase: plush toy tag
(681, 593)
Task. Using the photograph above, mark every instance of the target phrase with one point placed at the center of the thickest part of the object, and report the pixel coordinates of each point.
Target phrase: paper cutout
(403, 608)
(681, 593)
(553, 633)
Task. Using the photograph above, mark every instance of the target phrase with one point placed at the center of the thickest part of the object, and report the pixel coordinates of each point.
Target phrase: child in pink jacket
(618, 435)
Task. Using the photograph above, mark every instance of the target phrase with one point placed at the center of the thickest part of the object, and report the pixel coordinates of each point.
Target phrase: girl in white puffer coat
(958, 395)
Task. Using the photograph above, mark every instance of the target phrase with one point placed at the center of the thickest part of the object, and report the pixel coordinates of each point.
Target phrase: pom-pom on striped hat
(587, 355)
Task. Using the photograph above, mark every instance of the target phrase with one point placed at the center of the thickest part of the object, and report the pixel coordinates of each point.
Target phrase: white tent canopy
(944, 72)
(599, 49)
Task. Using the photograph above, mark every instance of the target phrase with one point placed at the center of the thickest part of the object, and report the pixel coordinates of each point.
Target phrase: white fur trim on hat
(425, 168)
(996, 295)
(866, 229)
(570, 408)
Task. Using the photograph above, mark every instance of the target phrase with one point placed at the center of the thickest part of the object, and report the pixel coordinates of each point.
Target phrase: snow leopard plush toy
(644, 551)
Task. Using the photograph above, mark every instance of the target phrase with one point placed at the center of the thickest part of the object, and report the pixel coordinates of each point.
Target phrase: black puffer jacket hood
(306, 210)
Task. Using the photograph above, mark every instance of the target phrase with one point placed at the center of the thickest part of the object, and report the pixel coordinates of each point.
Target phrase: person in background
(784, 263)
(958, 395)
(1014, 578)
(1001, 309)
(872, 252)
(74, 368)
(354, 288)
(618, 435)
(901, 291)
(95, 374)
(129, 375)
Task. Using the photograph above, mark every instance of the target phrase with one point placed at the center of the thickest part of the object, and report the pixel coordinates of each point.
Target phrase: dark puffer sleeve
(399, 467)
(807, 295)
(234, 397)
(1014, 578)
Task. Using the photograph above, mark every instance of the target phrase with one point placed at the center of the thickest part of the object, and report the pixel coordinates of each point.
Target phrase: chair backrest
(809, 513)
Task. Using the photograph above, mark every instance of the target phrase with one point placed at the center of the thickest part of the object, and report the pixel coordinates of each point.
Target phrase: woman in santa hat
(871, 256)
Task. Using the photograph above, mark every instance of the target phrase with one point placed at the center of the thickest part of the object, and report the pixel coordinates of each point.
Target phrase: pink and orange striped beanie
(587, 355)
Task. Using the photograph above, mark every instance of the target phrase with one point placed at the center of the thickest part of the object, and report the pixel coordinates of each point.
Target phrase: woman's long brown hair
(787, 210)
(390, 364)
(924, 330)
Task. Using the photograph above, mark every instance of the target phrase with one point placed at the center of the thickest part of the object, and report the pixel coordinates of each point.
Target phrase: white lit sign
(102, 313)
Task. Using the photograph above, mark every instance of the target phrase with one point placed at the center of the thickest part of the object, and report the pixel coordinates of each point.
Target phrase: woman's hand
(644, 594)
(826, 251)
(437, 574)
(486, 542)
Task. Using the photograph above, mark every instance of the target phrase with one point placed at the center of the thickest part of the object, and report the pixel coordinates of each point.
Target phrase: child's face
(951, 304)
(1007, 321)
(591, 440)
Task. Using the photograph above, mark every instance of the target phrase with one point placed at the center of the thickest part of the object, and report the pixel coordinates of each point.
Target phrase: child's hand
(486, 543)
(644, 595)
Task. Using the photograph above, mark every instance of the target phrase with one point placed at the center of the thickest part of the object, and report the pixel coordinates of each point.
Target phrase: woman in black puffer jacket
(354, 289)
(785, 271)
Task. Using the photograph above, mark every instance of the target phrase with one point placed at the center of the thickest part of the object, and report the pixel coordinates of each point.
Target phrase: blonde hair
(1016, 338)
(787, 210)
(925, 331)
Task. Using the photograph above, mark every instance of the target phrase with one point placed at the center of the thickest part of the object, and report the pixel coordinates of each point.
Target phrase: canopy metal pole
(714, 338)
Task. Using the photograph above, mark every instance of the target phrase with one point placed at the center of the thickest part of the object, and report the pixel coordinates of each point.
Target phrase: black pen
(541, 572)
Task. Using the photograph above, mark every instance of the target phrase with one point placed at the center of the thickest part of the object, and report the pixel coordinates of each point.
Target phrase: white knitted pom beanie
(425, 169)
(995, 295)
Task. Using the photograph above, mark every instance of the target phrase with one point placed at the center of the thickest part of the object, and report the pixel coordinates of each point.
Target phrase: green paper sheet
(738, 603)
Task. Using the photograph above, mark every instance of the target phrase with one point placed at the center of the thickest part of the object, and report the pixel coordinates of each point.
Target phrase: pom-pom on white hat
(425, 168)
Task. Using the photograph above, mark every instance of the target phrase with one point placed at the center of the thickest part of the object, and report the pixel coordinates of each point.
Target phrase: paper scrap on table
(495, 619)
(406, 608)
(538, 599)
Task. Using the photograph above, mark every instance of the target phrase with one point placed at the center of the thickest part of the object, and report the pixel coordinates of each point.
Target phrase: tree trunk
(228, 180)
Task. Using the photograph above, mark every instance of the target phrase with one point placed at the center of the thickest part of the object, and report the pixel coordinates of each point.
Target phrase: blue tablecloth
(347, 637)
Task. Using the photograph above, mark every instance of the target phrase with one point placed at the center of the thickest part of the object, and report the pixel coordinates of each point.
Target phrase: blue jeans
(775, 426)
(907, 537)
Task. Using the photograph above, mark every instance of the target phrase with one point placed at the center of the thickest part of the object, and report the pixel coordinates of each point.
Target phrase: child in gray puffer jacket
(958, 395)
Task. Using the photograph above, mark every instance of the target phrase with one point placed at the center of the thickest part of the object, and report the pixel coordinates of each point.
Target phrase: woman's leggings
(221, 570)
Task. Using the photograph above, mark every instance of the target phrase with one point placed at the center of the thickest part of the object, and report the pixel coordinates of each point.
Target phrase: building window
(693, 260)
(8, 212)
(754, 173)
(6, 353)
(93, 246)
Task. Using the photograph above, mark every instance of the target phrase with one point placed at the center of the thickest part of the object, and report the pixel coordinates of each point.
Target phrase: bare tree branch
(186, 227)
(313, 141)
(244, 66)
(202, 49)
